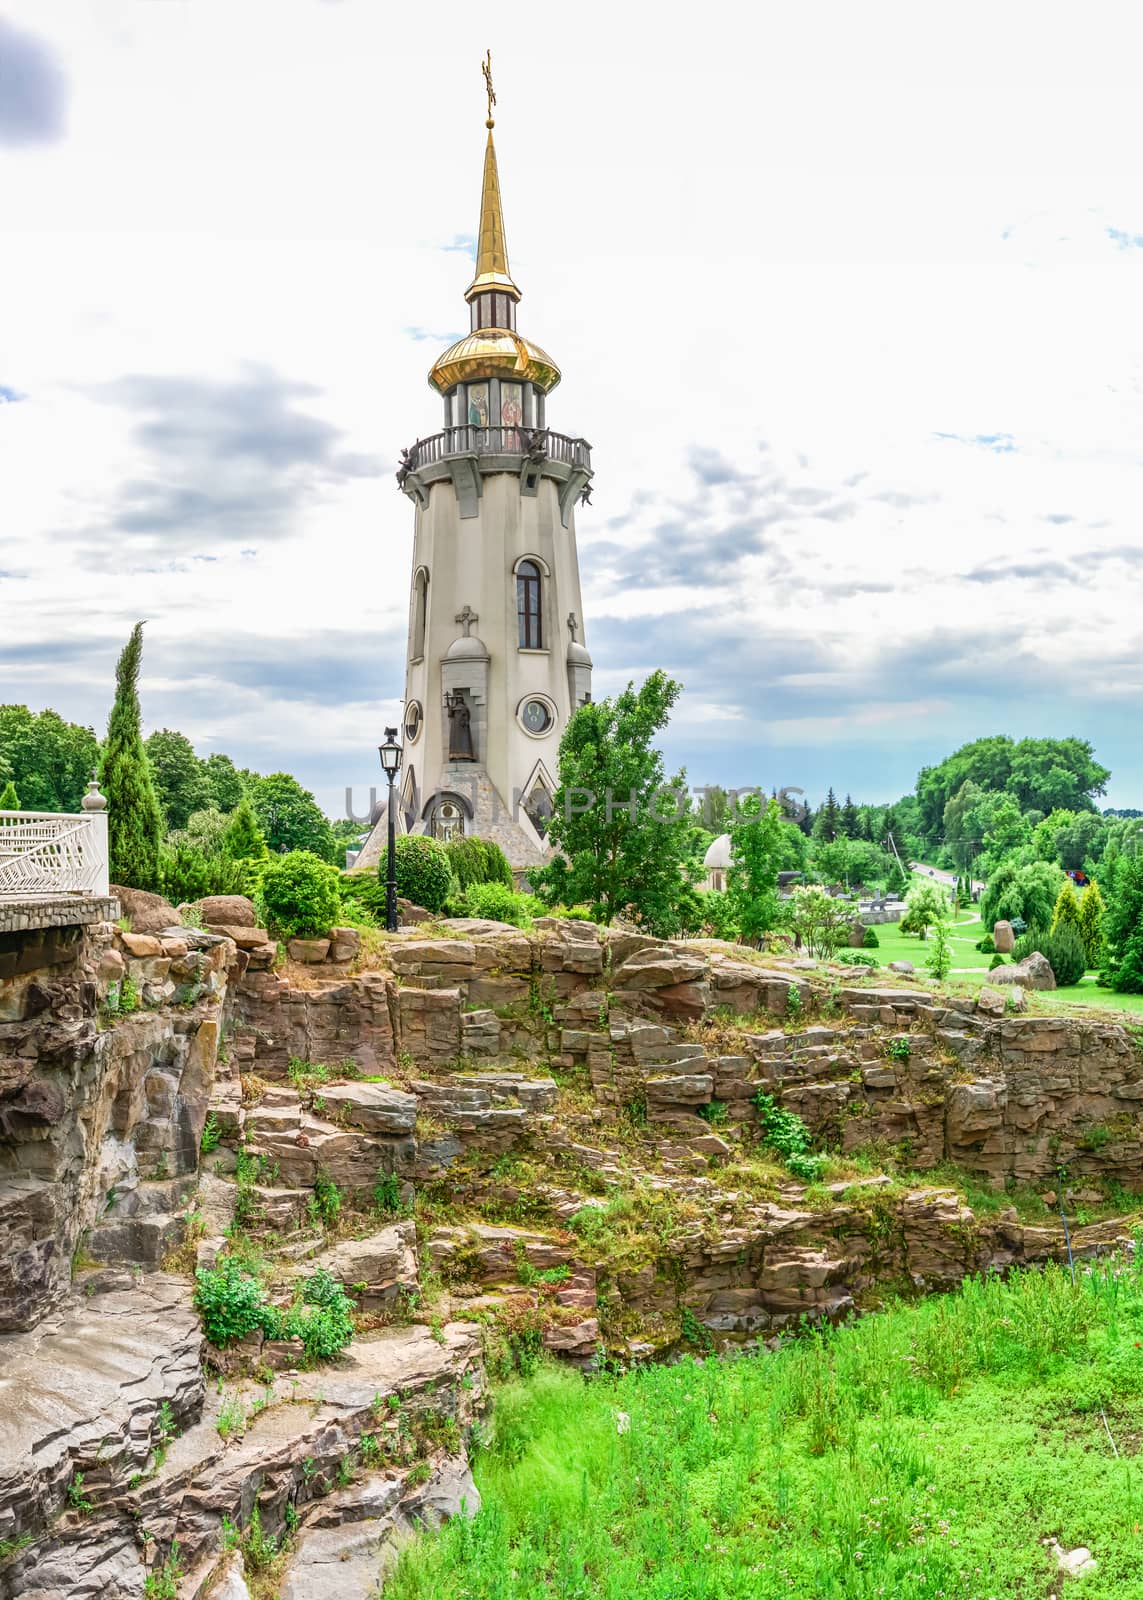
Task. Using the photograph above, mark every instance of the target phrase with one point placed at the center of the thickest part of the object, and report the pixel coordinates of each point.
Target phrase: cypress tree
(134, 820)
(1066, 913)
(1091, 923)
(848, 820)
(9, 799)
(244, 839)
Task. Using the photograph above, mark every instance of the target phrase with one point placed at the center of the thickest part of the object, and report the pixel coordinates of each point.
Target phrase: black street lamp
(390, 753)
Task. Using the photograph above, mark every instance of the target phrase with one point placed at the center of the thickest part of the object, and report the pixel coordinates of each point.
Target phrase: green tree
(1092, 911)
(49, 760)
(621, 842)
(300, 895)
(290, 817)
(820, 924)
(848, 819)
(1051, 774)
(177, 775)
(9, 799)
(926, 904)
(827, 823)
(1066, 912)
(713, 809)
(243, 839)
(204, 832)
(940, 957)
(1123, 928)
(134, 820)
(223, 781)
(756, 847)
(1027, 891)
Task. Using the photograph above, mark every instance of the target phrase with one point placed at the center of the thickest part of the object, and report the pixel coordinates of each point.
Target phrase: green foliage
(322, 1319)
(899, 1049)
(755, 856)
(987, 945)
(939, 962)
(9, 799)
(134, 820)
(177, 774)
(1027, 892)
(290, 818)
(211, 1134)
(856, 958)
(243, 839)
(325, 1205)
(853, 862)
(926, 905)
(871, 941)
(223, 782)
(1036, 774)
(422, 870)
(997, 961)
(716, 915)
(1123, 927)
(76, 1498)
(49, 760)
(203, 832)
(300, 895)
(714, 1112)
(1092, 911)
(1063, 950)
(478, 861)
(163, 1582)
(501, 904)
(789, 1138)
(1066, 913)
(231, 1303)
(186, 874)
(387, 1196)
(818, 922)
(609, 856)
(793, 1002)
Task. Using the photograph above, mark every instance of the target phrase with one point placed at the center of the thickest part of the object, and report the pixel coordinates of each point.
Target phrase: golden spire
(491, 246)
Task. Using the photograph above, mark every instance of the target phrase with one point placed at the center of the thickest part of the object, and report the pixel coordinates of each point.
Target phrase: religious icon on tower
(511, 413)
(478, 405)
(459, 728)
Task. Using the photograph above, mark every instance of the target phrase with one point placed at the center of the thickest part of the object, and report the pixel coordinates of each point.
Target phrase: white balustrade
(44, 854)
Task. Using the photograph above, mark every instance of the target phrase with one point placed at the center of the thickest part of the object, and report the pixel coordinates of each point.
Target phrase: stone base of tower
(485, 816)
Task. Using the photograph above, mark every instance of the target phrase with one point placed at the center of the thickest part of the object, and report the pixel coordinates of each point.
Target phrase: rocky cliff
(499, 1142)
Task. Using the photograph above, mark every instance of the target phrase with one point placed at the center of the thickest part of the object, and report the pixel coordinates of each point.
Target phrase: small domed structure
(717, 863)
(578, 656)
(469, 648)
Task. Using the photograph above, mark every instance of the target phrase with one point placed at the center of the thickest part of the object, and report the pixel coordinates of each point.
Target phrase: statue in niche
(459, 727)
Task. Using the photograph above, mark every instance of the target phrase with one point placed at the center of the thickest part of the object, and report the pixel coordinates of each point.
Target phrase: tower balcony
(467, 454)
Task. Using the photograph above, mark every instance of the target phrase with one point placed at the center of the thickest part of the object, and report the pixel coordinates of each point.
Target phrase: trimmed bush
(997, 961)
(299, 895)
(423, 872)
(478, 861)
(856, 958)
(1063, 951)
(186, 874)
(871, 941)
(987, 945)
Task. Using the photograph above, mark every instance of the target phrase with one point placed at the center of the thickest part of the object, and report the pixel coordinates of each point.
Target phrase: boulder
(245, 938)
(991, 1001)
(373, 1269)
(373, 1106)
(1003, 938)
(344, 944)
(1034, 972)
(906, 967)
(310, 952)
(141, 945)
(233, 909)
(146, 913)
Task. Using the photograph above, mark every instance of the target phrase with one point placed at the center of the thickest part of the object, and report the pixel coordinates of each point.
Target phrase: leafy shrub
(717, 914)
(856, 958)
(871, 941)
(186, 873)
(573, 913)
(299, 895)
(1063, 950)
(500, 904)
(478, 861)
(422, 869)
(230, 1302)
(987, 945)
(997, 961)
(323, 1320)
(787, 1135)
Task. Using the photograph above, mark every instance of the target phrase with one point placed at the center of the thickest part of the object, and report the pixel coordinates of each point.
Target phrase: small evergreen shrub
(186, 873)
(987, 945)
(997, 961)
(299, 895)
(1063, 951)
(422, 870)
(478, 861)
(871, 941)
(856, 958)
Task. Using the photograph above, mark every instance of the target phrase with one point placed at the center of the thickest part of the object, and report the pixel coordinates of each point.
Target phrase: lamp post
(390, 753)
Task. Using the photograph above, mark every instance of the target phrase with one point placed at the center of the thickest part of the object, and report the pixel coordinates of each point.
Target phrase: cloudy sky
(846, 296)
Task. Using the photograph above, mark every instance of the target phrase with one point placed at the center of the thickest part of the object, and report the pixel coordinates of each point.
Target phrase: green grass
(893, 945)
(924, 1452)
(1090, 994)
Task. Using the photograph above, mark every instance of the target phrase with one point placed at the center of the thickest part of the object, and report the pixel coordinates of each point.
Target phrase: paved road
(939, 875)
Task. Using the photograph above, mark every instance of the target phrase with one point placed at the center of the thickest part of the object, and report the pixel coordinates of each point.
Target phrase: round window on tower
(536, 716)
(413, 719)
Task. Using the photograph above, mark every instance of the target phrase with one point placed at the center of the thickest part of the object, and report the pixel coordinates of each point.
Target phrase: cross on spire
(466, 618)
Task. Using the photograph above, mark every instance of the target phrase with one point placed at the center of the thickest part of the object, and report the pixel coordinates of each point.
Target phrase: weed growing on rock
(211, 1134)
(76, 1498)
(787, 1135)
(163, 1582)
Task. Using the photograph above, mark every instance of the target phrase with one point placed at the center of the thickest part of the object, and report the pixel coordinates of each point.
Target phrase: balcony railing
(46, 853)
(536, 442)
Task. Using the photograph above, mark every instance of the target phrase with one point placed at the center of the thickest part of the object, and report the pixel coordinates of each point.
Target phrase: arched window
(420, 606)
(528, 605)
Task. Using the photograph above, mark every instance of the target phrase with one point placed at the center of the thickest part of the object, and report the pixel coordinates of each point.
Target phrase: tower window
(528, 605)
(420, 599)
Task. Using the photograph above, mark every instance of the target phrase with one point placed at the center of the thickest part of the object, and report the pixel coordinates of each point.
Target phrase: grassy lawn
(893, 945)
(925, 1452)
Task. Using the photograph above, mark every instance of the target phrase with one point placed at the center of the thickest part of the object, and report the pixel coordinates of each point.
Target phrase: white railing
(48, 853)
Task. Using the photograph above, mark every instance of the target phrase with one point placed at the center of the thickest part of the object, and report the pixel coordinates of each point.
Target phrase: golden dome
(494, 353)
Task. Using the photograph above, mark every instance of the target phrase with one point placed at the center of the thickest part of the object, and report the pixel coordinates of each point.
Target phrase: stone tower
(496, 656)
